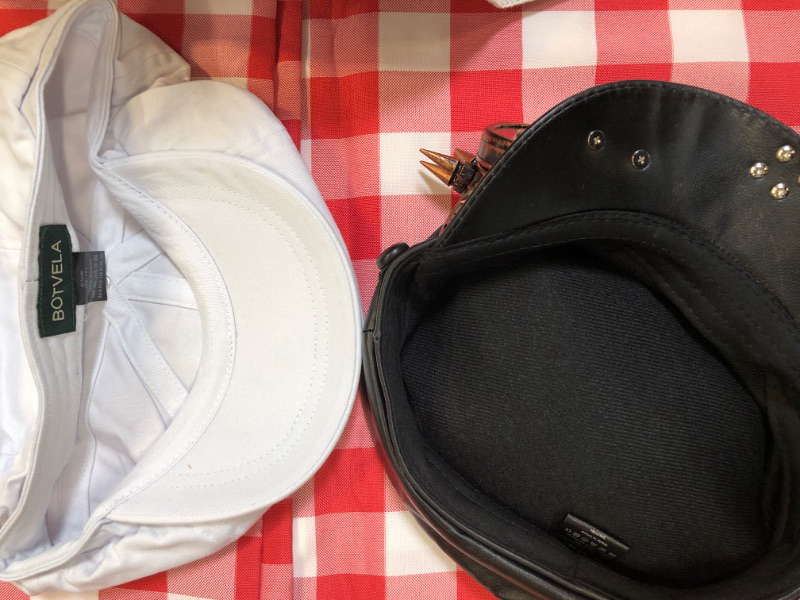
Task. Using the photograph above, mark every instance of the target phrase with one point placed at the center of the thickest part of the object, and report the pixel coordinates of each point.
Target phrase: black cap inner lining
(649, 320)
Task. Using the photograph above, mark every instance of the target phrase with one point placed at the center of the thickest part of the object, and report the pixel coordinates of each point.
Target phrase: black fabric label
(588, 539)
(56, 302)
(90, 277)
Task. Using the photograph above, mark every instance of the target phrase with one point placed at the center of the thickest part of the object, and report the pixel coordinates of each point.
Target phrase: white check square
(409, 551)
(414, 42)
(564, 38)
(708, 36)
(401, 172)
(304, 546)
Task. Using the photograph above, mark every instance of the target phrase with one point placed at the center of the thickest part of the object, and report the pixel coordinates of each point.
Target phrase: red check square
(261, 62)
(15, 18)
(276, 534)
(350, 481)
(469, 588)
(359, 221)
(773, 89)
(351, 587)
(481, 97)
(344, 106)
(655, 72)
(247, 570)
(289, 17)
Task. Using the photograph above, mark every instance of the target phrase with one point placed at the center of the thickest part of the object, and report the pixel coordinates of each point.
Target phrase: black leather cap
(588, 385)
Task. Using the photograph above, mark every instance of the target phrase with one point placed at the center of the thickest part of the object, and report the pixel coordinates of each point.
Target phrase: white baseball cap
(150, 428)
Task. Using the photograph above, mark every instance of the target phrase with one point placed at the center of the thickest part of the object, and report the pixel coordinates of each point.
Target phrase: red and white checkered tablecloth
(361, 85)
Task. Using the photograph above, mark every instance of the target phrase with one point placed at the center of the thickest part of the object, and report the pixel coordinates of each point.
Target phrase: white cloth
(221, 370)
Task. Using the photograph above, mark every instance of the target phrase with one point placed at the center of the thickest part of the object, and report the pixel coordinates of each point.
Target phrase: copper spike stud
(464, 157)
(444, 175)
(444, 161)
(443, 166)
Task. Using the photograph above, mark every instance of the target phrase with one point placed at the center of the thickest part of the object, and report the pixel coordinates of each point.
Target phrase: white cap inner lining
(139, 355)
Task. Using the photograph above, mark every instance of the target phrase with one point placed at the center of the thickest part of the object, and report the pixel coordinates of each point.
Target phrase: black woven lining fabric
(561, 385)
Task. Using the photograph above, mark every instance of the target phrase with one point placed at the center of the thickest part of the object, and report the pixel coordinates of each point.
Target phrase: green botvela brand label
(56, 305)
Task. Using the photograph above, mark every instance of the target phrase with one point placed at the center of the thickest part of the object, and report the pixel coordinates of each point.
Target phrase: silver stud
(758, 170)
(596, 139)
(785, 153)
(641, 159)
(780, 191)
